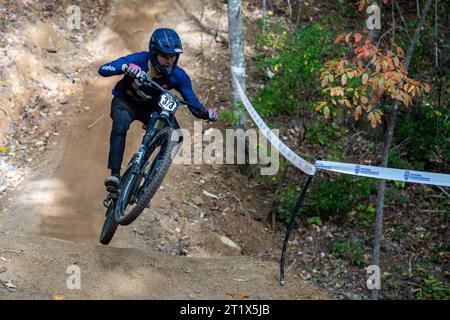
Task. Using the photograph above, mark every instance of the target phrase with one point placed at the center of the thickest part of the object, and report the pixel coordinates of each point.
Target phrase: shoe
(112, 183)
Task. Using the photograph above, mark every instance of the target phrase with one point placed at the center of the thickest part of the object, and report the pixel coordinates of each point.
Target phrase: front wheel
(109, 226)
(160, 149)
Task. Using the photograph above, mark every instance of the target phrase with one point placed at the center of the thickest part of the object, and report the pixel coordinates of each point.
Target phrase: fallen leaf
(365, 77)
(58, 297)
(239, 295)
(10, 286)
(206, 193)
(214, 206)
(198, 200)
(240, 279)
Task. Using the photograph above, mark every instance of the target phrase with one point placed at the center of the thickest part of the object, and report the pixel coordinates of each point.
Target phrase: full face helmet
(164, 41)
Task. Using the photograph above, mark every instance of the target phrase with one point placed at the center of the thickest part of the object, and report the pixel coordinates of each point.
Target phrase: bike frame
(158, 120)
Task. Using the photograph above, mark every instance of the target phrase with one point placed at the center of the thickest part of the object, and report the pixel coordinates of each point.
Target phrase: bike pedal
(114, 195)
(107, 203)
(112, 189)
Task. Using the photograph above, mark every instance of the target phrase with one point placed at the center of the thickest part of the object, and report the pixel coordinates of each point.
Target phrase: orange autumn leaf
(364, 99)
(373, 120)
(361, 5)
(320, 105)
(365, 77)
(239, 295)
(347, 37)
(358, 37)
(358, 112)
(400, 52)
(339, 38)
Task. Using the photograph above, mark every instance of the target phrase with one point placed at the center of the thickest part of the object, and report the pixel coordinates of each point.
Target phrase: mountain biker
(132, 101)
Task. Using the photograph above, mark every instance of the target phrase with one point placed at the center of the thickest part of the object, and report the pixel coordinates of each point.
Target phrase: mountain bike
(148, 167)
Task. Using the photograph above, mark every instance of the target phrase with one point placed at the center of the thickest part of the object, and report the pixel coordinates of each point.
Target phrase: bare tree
(388, 137)
(236, 36)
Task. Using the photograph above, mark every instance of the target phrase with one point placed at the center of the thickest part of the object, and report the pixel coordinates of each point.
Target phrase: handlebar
(150, 83)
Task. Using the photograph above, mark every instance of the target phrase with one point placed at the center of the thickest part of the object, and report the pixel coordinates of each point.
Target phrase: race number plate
(167, 102)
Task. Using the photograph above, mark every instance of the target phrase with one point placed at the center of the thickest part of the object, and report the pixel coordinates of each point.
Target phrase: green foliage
(294, 66)
(433, 289)
(185, 199)
(350, 251)
(428, 131)
(394, 194)
(367, 214)
(231, 115)
(315, 220)
(400, 184)
(228, 116)
(287, 199)
(396, 160)
(400, 229)
(338, 197)
(327, 134)
(328, 198)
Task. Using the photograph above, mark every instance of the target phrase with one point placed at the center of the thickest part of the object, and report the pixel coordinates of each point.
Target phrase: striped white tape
(294, 158)
(422, 177)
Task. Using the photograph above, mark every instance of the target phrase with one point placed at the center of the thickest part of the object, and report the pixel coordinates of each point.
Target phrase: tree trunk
(236, 36)
(389, 135)
(370, 11)
(446, 48)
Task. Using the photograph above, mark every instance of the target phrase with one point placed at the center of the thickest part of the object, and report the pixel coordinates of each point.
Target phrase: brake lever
(146, 80)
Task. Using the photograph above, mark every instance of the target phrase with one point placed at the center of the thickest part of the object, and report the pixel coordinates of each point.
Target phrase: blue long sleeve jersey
(129, 88)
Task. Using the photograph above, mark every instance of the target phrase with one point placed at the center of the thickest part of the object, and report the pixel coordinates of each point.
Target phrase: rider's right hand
(131, 70)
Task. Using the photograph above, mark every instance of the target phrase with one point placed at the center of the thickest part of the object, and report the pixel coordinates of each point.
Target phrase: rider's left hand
(213, 115)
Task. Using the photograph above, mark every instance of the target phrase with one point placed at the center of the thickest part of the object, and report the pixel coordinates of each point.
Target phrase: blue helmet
(164, 41)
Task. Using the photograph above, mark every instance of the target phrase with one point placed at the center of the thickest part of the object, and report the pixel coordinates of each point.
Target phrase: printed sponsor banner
(422, 177)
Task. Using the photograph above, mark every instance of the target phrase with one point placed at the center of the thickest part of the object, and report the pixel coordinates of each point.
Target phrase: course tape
(422, 177)
(294, 158)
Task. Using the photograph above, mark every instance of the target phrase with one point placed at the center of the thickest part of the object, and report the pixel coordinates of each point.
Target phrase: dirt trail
(54, 219)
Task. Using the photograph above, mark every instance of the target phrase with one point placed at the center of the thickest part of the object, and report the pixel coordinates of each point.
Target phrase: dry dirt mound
(41, 267)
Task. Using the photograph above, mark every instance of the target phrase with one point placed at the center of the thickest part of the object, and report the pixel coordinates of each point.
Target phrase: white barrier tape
(238, 70)
(294, 158)
(422, 177)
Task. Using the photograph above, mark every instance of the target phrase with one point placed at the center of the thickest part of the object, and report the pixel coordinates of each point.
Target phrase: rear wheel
(138, 190)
